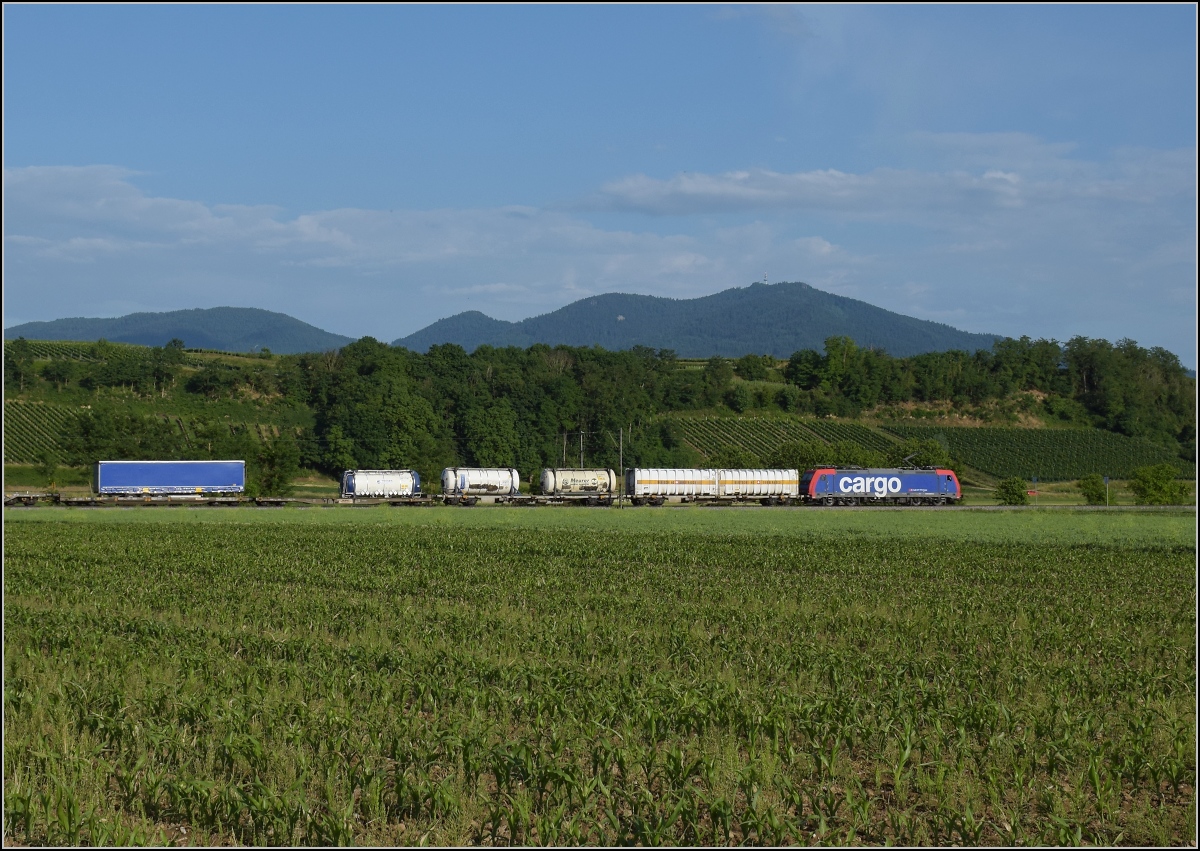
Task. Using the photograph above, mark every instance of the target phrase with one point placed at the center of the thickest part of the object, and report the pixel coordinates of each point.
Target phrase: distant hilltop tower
(764, 278)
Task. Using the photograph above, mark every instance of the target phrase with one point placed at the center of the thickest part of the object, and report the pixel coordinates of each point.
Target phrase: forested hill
(775, 319)
(231, 329)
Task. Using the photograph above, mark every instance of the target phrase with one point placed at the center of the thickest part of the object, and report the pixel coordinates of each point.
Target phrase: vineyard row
(33, 428)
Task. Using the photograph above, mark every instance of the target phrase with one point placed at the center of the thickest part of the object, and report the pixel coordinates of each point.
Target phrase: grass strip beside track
(1115, 526)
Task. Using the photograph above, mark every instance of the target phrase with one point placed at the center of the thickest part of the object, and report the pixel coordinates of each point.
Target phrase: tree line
(378, 406)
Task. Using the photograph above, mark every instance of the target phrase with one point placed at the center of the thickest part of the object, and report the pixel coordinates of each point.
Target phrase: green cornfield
(451, 676)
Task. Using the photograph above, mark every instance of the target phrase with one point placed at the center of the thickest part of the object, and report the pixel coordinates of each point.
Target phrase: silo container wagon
(380, 484)
(571, 485)
(468, 485)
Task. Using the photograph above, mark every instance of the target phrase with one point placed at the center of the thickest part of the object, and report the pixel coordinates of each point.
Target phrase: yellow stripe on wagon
(674, 481)
(722, 481)
(760, 481)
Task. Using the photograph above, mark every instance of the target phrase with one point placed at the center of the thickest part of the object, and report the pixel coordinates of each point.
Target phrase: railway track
(51, 499)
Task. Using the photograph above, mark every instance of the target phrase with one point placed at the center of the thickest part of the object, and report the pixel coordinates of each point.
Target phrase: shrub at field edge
(1012, 492)
(1094, 490)
(1157, 485)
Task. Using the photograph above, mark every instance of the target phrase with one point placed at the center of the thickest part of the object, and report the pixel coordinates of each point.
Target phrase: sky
(369, 169)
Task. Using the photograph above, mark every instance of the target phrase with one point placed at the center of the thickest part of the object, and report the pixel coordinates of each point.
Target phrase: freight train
(829, 486)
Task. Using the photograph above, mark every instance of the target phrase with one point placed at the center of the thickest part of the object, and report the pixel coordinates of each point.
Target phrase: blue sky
(371, 169)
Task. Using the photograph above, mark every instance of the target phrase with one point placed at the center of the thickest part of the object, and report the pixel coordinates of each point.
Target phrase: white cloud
(499, 288)
(350, 270)
(1021, 152)
(1015, 239)
(1009, 172)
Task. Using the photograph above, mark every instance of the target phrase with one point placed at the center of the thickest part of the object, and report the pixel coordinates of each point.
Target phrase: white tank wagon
(771, 487)
(592, 486)
(380, 484)
(467, 485)
(656, 485)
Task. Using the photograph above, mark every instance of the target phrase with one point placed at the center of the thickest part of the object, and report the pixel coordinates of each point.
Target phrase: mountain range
(775, 319)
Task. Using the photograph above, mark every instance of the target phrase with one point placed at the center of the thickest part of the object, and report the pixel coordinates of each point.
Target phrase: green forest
(370, 405)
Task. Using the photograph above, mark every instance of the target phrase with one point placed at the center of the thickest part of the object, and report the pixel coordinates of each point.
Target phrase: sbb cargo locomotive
(850, 486)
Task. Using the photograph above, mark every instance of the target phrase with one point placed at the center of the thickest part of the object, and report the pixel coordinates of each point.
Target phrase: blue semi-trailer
(170, 477)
